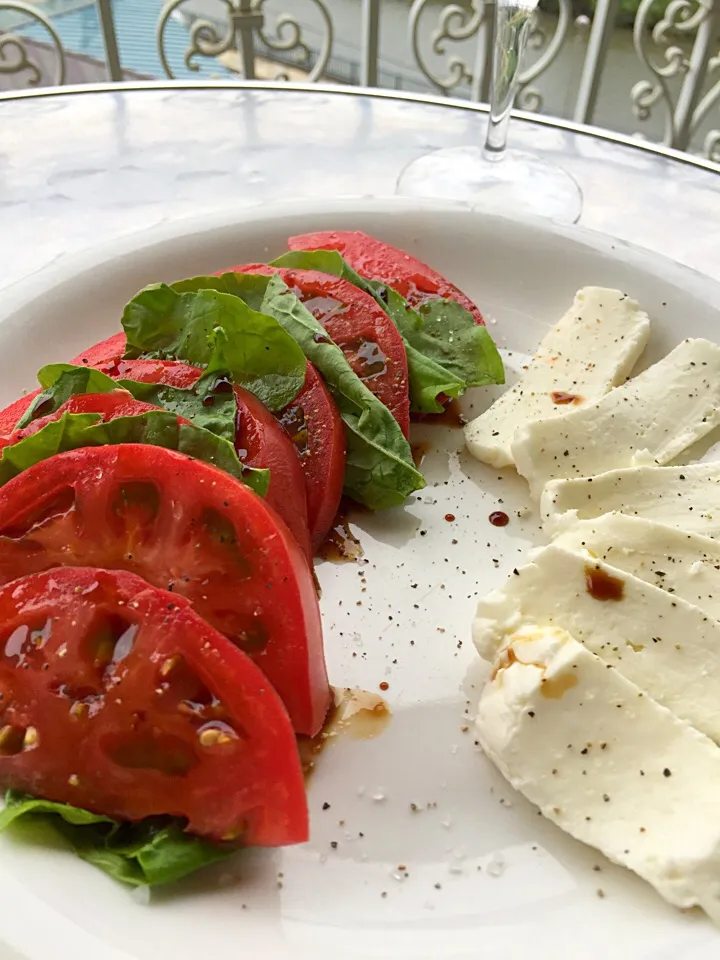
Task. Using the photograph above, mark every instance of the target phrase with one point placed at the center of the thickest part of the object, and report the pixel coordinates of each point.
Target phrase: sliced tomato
(375, 260)
(118, 698)
(259, 440)
(314, 425)
(117, 403)
(112, 347)
(364, 332)
(10, 416)
(185, 526)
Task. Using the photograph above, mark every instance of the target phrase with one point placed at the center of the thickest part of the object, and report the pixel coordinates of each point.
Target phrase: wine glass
(492, 176)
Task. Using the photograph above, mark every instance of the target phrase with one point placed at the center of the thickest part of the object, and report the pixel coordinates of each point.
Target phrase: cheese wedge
(649, 420)
(590, 350)
(607, 763)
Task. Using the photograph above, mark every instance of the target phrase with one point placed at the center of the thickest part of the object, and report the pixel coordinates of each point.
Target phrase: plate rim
(16, 297)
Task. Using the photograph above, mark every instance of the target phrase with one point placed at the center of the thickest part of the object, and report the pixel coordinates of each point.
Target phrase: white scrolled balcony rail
(448, 50)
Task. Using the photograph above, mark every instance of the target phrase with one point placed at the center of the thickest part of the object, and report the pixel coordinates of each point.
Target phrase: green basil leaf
(148, 853)
(170, 322)
(447, 350)
(159, 428)
(63, 380)
(379, 469)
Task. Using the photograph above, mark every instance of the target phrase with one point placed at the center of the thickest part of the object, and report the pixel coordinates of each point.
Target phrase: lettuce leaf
(379, 469)
(63, 380)
(447, 351)
(149, 853)
(158, 427)
(209, 328)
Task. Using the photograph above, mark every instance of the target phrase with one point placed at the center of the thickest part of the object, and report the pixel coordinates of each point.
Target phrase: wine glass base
(518, 183)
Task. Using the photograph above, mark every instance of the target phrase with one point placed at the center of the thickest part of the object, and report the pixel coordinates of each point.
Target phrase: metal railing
(661, 79)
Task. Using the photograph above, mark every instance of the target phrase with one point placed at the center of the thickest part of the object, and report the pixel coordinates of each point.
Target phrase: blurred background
(648, 68)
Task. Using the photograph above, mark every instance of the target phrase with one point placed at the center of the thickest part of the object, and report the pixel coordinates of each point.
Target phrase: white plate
(487, 876)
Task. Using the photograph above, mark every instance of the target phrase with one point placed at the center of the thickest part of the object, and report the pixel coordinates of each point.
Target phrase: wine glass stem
(512, 25)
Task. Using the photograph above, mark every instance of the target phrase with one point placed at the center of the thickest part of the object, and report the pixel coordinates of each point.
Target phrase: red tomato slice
(186, 526)
(372, 258)
(10, 416)
(364, 332)
(112, 347)
(118, 403)
(259, 441)
(118, 698)
(314, 425)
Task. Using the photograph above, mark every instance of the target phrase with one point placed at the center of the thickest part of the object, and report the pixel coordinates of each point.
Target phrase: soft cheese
(650, 419)
(606, 763)
(590, 350)
(684, 564)
(684, 497)
(668, 647)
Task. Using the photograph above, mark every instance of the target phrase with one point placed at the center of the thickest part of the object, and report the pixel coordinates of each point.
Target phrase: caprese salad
(601, 701)
(161, 499)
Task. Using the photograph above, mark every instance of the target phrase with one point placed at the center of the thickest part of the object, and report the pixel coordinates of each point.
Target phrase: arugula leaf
(166, 322)
(157, 427)
(152, 852)
(379, 469)
(447, 351)
(63, 380)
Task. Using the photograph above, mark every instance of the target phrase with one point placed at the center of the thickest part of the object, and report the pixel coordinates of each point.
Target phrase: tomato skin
(118, 403)
(321, 445)
(110, 687)
(10, 416)
(360, 327)
(186, 526)
(259, 440)
(372, 258)
(114, 346)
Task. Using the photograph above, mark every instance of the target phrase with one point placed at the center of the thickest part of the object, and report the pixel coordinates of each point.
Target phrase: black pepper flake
(531, 713)
(326, 806)
(606, 798)
(667, 772)
(333, 844)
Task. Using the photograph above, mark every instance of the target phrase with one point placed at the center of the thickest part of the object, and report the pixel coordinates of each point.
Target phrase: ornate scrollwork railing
(456, 23)
(450, 48)
(243, 30)
(679, 75)
(16, 56)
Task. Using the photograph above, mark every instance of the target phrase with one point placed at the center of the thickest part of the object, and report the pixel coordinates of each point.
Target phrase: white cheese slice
(590, 350)
(606, 763)
(684, 497)
(650, 419)
(668, 647)
(684, 564)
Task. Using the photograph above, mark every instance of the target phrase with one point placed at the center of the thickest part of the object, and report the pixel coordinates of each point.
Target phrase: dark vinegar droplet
(499, 519)
(222, 385)
(208, 400)
(450, 517)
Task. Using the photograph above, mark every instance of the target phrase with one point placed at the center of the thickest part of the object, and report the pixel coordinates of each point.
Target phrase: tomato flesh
(10, 416)
(117, 403)
(314, 425)
(259, 440)
(118, 698)
(372, 258)
(93, 356)
(187, 527)
(360, 327)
